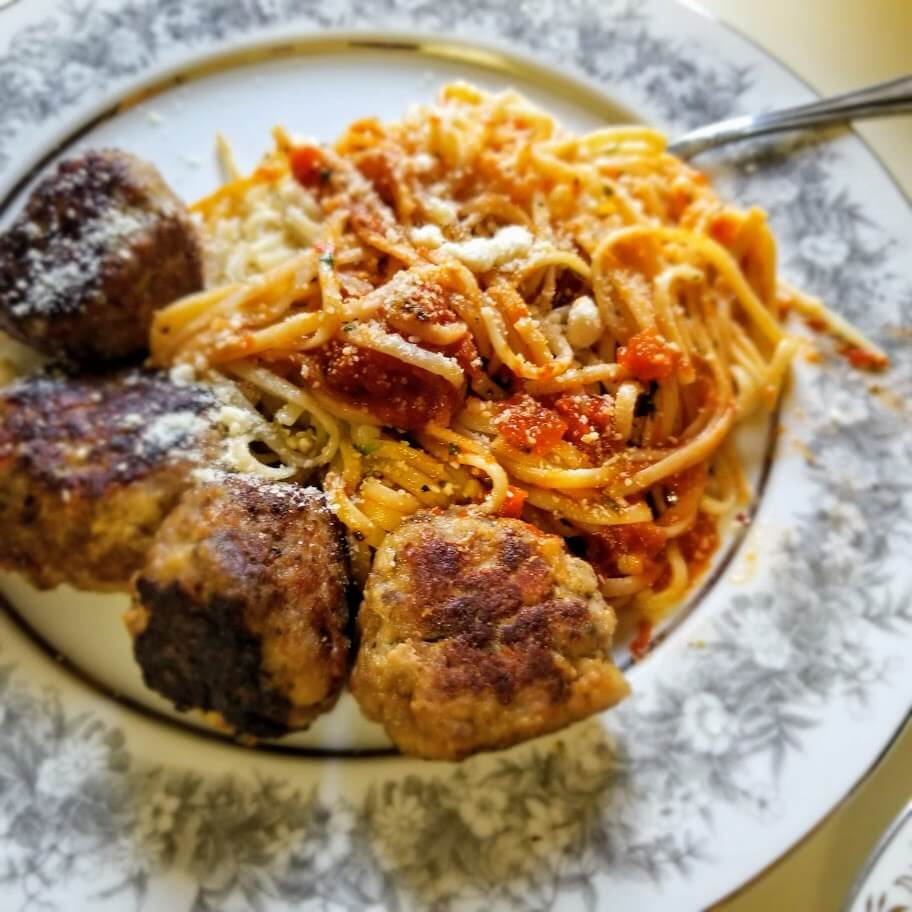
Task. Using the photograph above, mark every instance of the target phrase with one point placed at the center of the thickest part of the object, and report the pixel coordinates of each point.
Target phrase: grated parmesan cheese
(236, 421)
(170, 430)
(427, 236)
(59, 274)
(423, 162)
(443, 212)
(483, 254)
(584, 323)
(182, 375)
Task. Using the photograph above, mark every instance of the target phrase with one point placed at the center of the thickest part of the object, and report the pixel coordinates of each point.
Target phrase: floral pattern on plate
(54, 64)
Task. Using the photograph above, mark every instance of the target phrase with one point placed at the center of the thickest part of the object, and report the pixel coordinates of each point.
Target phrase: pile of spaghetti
(472, 306)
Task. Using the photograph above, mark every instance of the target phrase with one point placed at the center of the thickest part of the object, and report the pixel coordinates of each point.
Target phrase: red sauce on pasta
(527, 425)
(608, 545)
(393, 391)
(640, 644)
(648, 356)
(862, 358)
(699, 543)
(589, 423)
(306, 165)
(512, 506)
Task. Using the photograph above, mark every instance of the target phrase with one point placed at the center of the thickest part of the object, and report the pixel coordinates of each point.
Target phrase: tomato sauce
(394, 392)
(678, 201)
(512, 506)
(683, 492)
(649, 356)
(306, 165)
(379, 166)
(427, 304)
(606, 546)
(527, 425)
(588, 416)
(724, 229)
(699, 543)
(640, 644)
(862, 359)
(423, 304)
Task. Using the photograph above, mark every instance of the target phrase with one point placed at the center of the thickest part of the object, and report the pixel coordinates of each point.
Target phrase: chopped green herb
(326, 259)
(454, 450)
(348, 327)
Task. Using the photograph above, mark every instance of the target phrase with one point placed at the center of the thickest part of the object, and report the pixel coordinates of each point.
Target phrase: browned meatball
(90, 467)
(478, 633)
(101, 245)
(241, 610)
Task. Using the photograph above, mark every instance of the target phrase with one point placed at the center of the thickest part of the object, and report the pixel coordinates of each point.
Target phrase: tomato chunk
(512, 506)
(724, 228)
(584, 413)
(590, 425)
(527, 425)
(649, 356)
(396, 393)
(306, 165)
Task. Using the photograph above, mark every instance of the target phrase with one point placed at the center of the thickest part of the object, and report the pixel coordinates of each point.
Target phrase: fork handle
(879, 100)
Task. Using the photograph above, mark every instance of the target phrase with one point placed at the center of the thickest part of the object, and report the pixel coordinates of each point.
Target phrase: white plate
(797, 658)
(885, 883)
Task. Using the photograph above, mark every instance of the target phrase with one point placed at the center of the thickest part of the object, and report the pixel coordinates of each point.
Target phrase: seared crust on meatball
(90, 467)
(101, 245)
(478, 633)
(241, 610)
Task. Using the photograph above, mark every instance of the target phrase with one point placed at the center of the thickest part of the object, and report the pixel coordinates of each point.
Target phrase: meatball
(241, 610)
(477, 633)
(101, 244)
(90, 467)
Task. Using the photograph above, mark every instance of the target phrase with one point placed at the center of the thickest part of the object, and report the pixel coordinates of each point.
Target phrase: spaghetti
(474, 307)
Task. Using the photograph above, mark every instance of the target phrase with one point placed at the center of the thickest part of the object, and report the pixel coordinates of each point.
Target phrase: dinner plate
(885, 881)
(772, 692)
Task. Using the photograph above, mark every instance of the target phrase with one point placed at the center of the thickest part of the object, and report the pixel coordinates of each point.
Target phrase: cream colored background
(836, 45)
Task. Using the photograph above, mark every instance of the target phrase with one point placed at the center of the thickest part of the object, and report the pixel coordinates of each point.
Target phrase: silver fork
(879, 100)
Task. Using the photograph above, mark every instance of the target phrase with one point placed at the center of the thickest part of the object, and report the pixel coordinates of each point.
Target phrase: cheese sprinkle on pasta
(472, 306)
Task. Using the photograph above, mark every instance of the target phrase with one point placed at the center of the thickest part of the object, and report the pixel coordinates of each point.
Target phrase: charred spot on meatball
(478, 633)
(101, 245)
(90, 467)
(241, 611)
